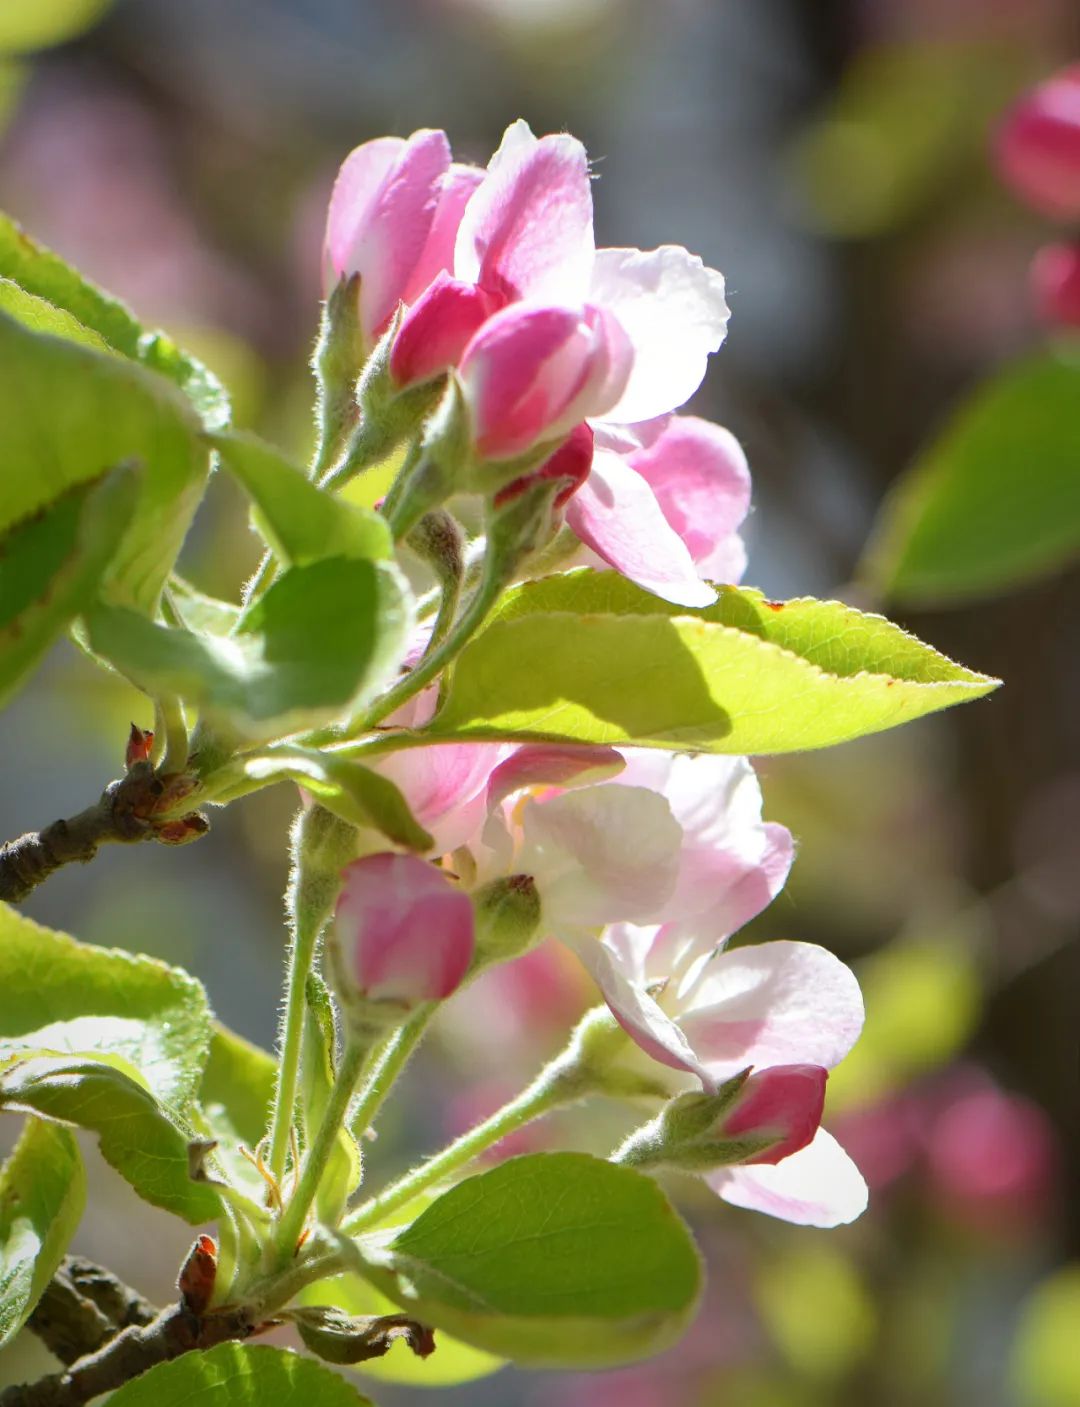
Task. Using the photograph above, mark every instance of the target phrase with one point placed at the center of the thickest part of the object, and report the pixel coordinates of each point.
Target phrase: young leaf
(239, 1375)
(41, 272)
(587, 657)
(453, 1361)
(63, 996)
(146, 1144)
(50, 567)
(301, 522)
(553, 1259)
(41, 316)
(321, 638)
(66, 413)
(995, 501)
(42, 1194)
(353, 792)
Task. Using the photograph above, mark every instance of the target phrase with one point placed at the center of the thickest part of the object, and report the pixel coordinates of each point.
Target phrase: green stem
(170, 729)
(368, 446)
(317, 1156)
(559, 1083)
(388, 1065)
(301, 954)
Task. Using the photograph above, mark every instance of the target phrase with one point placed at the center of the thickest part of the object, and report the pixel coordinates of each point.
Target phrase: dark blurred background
(831, 158)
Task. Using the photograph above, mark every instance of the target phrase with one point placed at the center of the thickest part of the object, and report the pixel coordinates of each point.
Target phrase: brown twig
(139, 806)
(83, 1307)
(134, 1351)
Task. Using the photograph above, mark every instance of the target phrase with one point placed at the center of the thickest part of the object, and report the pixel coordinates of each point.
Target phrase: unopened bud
(1038, 146)
(507, 919)
(1055, 284)
(403, 935)
(753, 1118)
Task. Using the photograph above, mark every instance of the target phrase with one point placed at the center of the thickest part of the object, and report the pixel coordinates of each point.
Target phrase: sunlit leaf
(26, 25)
(1045, 1367)
(554, 1258)
(239, 1375)
(589, 657)
(42, 1194)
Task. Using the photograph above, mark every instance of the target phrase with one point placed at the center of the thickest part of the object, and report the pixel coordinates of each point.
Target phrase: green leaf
(452, 1362)
(67, 997)
(239, 1375)
(66, 414)
(301, 522)
(26, 25)
(41, 272)
(322, 638)
(995, 500)
(234, 1103)
(50, 567)
(589, 657)
(355, 793)
(553, 1259)
(146, 1144)
(42, 1195)
(205, 615)
(41, 316)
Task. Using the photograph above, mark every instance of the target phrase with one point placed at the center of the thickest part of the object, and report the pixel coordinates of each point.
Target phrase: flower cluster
(570, 363)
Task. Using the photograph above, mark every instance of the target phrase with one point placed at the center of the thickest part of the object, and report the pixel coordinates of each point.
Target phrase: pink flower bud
(403, 932)
(437, 329)
(570, 464)
(1055, 284)
(785, 1102)
(1038, 146)
(380, 220)
(532, 373)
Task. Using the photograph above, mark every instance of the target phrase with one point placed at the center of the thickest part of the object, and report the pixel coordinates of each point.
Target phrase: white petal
(773, 1004)
(818, 1186)
(674, 311)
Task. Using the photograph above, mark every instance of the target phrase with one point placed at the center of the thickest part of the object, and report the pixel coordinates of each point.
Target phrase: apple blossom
(1038, 146)
(403, 933)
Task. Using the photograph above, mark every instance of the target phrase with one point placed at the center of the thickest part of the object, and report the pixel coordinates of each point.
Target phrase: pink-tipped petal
(570, 466)
(445, 787)
(532, 373)
(700, 477)
(437, 329)
(773, 1004)
(784, 1102)
(380, 218)
(527, 231)
(405, 934)
(636, 1012)
(818, 1186)
(674, 312)
(616, 513)
(549, 765)
(456, 189)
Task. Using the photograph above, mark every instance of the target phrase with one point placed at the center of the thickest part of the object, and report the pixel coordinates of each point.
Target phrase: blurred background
(831, 157)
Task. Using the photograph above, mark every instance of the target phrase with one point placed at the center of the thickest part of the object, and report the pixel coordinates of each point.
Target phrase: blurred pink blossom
(1037, 146)
(1055, 284)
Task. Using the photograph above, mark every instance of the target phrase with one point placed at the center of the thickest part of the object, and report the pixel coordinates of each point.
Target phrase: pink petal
(445, 786)
(675, 314)
(527, 231)
(699, 475)
(437, 329)
(544, 765)
(381, 212)
(818, 1186)
(773, 1004)
(636, 1012)
(617, 515)
(532, 373)
(456, 189)
(785, 1101)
